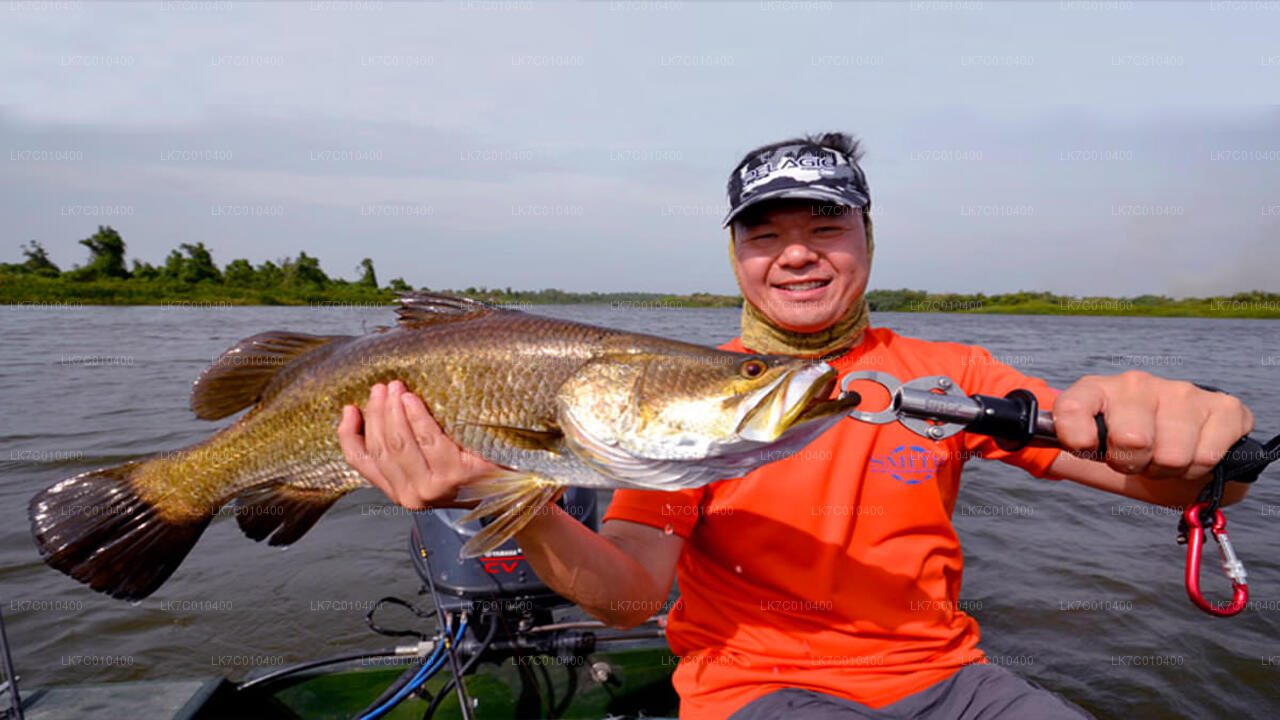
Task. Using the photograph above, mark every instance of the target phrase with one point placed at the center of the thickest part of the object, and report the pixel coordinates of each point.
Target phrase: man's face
(801, 262)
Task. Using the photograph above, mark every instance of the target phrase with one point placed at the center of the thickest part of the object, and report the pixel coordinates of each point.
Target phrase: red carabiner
(1231, 565)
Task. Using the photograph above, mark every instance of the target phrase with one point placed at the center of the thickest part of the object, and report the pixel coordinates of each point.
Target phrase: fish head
(694, 406)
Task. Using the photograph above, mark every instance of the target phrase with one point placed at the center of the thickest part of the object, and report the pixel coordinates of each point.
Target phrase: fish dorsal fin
(421, 309)
(237, 378)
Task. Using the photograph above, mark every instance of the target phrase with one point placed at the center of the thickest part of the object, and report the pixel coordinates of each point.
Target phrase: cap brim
(797, 193)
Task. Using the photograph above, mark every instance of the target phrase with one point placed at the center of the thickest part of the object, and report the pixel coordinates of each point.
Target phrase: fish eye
(751, 368)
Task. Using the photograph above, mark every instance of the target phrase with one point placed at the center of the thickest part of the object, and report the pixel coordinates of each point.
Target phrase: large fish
(555, 403)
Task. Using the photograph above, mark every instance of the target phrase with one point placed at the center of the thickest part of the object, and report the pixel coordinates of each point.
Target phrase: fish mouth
(798, 397)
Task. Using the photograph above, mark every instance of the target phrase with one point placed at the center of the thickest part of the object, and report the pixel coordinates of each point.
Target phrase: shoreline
(190, 278)
(1264, 313)
(30, 292)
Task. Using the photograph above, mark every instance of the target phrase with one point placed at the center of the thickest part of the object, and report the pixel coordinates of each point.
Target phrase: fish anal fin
(423, 309)
(514, 497)
(281, 512)
(240, 374)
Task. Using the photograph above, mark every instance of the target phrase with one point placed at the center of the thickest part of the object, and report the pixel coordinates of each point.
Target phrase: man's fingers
(399, 447)
(442, 454)
(1131, 431)
(439, 449)
(375, 442)
(350, 422)
(1157, 428)
(1073, 413)
(1246, 422)
(1177, 434)
(402, 446)
(350, 439)
(396, 428)
(1223, 428)
(425, 428)
(354, 451)
(374, 411)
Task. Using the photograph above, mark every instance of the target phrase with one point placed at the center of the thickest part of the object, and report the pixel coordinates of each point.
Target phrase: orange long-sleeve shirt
(836, 569)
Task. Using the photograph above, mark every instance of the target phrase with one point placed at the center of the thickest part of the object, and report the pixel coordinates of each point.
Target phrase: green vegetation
(552, 296)
(189, 275)
(1255, 304)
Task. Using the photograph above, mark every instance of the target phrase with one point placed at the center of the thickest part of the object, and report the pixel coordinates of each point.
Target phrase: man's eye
(828, 229)
(762, 236)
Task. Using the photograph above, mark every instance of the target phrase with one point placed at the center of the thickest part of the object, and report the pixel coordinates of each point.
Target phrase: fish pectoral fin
(283, 512)
(422, 309)
(514, 497)
(523, 438)
(240, 374)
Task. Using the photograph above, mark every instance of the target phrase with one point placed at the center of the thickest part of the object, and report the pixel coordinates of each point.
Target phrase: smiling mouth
(806, 285)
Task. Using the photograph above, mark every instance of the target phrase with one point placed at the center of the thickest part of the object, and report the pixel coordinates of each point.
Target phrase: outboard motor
(497, 581)
(507, 614)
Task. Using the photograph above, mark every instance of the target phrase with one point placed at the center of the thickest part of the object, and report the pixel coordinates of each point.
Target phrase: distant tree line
(1254, 303)
(187, 264)
(190, 274)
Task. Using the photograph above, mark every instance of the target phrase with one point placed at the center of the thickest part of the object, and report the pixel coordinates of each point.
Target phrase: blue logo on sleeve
(910, 464)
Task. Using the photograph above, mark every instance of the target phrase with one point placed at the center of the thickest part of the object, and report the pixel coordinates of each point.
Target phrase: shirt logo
(908, 464)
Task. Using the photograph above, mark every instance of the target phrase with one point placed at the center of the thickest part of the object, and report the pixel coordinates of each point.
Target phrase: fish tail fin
(514, 497)
(97, 528)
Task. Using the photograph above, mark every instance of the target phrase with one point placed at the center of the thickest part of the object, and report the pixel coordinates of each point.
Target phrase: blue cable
(429, 668)
(399, 696)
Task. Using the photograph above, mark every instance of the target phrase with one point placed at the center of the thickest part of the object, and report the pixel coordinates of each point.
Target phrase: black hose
(466, 668)
(277, 674)
(15, 700)
(527, 678)
(391, 600)
(551, 690)
(571, 689)
(404, 678)
(271, 676)
(464, 704)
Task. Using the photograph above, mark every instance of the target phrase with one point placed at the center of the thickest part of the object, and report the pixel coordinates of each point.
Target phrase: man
(822, 586)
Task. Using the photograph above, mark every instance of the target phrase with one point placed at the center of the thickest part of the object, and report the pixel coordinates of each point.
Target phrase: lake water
(1075, 589)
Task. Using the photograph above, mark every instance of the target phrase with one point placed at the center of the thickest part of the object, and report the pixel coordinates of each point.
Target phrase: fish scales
(552, 402)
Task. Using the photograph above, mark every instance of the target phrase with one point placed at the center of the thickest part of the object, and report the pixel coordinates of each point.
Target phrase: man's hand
(403, 452)
(1156, 428)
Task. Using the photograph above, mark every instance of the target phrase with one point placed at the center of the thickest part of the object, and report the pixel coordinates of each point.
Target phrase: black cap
(802, 170)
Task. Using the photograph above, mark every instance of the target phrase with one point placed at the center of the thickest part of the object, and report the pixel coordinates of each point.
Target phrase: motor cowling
(498, 580)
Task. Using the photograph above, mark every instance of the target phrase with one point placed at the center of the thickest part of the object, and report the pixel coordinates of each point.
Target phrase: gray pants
(975, 692)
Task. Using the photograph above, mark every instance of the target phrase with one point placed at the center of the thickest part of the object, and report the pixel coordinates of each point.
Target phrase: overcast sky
(1079, 147)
